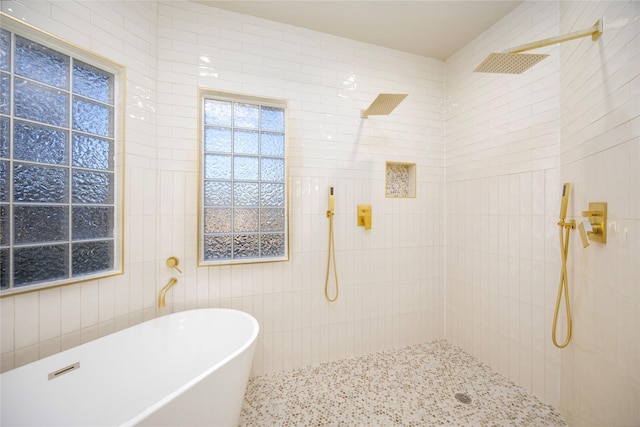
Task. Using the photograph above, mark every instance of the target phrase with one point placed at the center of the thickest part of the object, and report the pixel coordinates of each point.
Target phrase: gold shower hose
(332, 250)
(564, 283)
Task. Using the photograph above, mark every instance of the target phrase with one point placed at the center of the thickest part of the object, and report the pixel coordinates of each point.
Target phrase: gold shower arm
(594, 32)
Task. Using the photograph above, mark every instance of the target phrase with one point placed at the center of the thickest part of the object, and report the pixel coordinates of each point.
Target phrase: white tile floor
(412, 386)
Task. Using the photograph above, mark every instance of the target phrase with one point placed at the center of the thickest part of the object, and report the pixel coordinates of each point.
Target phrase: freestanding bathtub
(184, 369)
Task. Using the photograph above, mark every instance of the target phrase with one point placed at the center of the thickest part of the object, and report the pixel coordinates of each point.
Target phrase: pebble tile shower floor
(421, 385)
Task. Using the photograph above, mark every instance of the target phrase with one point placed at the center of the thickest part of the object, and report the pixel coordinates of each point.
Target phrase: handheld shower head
(565, 200)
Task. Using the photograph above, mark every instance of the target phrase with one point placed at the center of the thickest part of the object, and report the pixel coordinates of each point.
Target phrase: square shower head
(383, 104)
(509, 63)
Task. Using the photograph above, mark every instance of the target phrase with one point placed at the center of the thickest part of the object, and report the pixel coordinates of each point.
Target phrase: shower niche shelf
(400, 180)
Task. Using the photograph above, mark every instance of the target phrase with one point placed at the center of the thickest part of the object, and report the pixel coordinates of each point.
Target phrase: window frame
(78, 53)
(203, 95)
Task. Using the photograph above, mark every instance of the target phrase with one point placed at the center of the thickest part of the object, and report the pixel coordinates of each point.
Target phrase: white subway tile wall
(600, 154)
(37, 324)
(389, 295)
(385, 300)
(502, 189)
(510, 143)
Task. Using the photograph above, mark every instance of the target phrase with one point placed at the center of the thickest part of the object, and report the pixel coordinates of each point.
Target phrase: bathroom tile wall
(600, 156)
(390, 277)
(502, 194)
(37, 324)
(511, 143)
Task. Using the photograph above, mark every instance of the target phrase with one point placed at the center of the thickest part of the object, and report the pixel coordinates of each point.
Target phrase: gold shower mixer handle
(172, 262)
(597, 215)
(364, 216)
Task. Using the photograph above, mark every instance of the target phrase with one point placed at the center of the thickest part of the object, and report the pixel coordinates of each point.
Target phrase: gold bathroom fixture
(511, 61)
(163, 291)
(383, 105)
(563, 287)
(584, 227)
(597, 216)
(331, 254)
(364, 216)
(172, 262)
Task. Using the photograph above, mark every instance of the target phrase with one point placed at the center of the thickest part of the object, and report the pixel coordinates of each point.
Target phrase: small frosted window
(92, 82)
(5, 93)
(244, 215)
(39, 63)
(59, 167)
(40, 103)
(5, 49)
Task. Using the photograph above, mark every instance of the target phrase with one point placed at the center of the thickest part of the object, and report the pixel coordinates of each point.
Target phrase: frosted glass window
(5, 49)
(91, 257)
(60, 162)
(4, 137)
(5, 93)
(4, 181)
(217, 112)
(4, 269)
(217, 139)
(243, 215)
(272, 144)
(245, 141)
(40, 103)
(217, 166)
(245, 193)
(92, 117)
(39, 63)
(4, 225)
(40, 144)
(272, 119)
(40, 184)
(246, 116)
(37, 264)
(40, 224)
(272, 169)
(245, 168)
(92, 152)
(92, 82)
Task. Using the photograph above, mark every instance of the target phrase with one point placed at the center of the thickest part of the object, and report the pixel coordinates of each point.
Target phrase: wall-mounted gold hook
(172, 262)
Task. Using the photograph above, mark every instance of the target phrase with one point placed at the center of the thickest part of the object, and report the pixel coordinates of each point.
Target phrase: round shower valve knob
(172, 262)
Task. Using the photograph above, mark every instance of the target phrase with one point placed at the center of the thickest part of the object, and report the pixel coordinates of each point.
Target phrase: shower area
(473, 260)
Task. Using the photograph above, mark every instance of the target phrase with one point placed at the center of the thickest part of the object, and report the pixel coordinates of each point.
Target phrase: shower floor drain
(463, 397)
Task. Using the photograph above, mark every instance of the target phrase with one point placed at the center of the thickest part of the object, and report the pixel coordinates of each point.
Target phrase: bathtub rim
(189, 384)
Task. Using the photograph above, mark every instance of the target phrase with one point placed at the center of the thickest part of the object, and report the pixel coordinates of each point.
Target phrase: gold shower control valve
(597, 215)
(172, 262)
(364, 216)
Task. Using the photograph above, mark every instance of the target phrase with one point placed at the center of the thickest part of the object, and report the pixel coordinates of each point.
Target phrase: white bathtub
(184, 369)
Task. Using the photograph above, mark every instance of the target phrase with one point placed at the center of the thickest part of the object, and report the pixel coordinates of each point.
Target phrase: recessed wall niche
(400, 180)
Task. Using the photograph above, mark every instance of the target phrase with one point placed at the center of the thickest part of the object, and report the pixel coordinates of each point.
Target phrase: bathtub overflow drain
(463, 397)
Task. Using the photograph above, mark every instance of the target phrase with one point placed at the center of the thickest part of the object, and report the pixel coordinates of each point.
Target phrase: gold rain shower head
(383, 105)
(511, 61)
